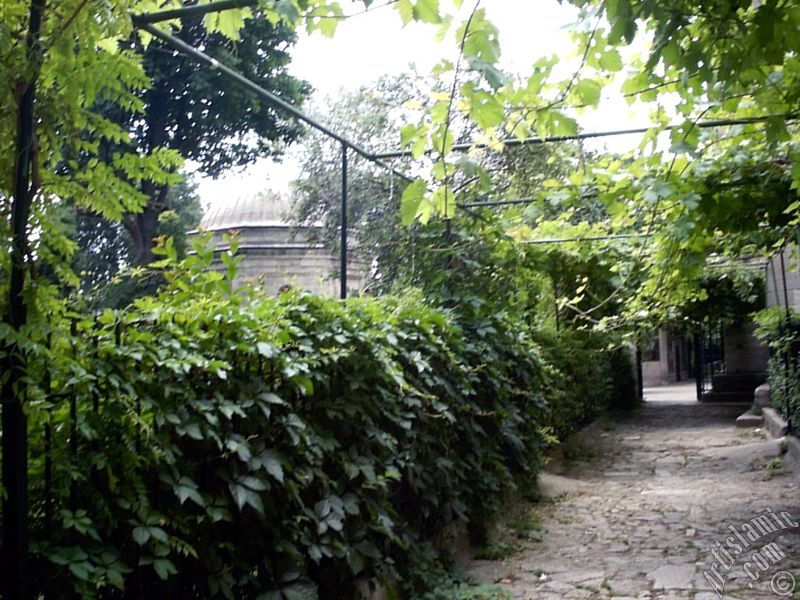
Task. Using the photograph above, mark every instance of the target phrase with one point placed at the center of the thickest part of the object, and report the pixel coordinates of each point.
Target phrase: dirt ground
(638, 504)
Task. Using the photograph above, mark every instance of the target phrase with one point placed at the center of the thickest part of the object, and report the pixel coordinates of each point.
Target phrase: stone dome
(261, 210)
(274, 250)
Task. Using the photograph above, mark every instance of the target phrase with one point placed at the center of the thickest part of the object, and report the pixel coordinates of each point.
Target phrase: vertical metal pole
(73, 422)
(786, 357)
(698, 361)
(555, 297)
(343, 248)
(713, 352)
(785, 289)
(14, 560)
(775, 284)
(639, 373)
(48, 448)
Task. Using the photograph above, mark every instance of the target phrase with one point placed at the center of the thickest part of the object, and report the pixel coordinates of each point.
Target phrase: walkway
(636, 510)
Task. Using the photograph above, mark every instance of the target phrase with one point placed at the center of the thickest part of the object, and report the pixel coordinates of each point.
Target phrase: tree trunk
(143, 226)
(14, 564)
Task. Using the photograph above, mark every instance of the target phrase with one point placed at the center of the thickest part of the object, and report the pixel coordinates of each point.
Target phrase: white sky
(370, 45)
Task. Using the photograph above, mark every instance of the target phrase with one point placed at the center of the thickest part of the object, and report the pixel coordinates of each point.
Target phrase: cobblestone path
(640, 505)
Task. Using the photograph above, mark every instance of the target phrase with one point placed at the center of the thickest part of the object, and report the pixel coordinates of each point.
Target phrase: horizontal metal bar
(622, 236)
(738, 265)
(495, 203)
(189, 50)
(194, 10)
(241, 80)
(590, 135)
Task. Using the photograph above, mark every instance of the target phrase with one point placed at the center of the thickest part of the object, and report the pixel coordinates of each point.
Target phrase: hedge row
(782, 333)
(587, 379)
(281, 448)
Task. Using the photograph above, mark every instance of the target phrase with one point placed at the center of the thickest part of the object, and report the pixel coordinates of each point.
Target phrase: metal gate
(709, 356)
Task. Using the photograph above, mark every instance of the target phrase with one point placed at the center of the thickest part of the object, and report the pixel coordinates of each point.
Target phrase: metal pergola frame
(146, 22)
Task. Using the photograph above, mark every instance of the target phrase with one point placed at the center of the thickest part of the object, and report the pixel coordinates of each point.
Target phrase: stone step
(735, 382)
(736, 397)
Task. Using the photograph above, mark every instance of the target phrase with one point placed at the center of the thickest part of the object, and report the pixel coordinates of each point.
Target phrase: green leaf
(193, 431)
(427, 11)
(410, 202)
(266, 350)
(406, 11)
(796, 174)
(253, 483)
(164, 568)
(244, 496)
(228, 22)
(611, 60)
(287, 10)
(272, 464)
(185, 492)
(141, 535)
(588, 91)
(329, 23)
(81, 570)
(407, 134)
(486, 110)
(158, 534)
(271, 398)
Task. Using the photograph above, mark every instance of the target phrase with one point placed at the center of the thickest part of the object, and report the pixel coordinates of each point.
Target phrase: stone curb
(774, 423)
(750, 419)
(792, 458)
(778, 428)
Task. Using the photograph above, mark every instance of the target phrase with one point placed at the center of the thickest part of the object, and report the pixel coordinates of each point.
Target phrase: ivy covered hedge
(277, 446)
(588, 378)
(217, 443)
(782, 333)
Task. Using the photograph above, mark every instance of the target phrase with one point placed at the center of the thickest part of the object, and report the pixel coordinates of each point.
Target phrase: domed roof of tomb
(265, 209)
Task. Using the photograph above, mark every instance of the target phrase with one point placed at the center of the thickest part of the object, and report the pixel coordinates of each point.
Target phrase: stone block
(761, 398)
(749, 419)
(775, 424)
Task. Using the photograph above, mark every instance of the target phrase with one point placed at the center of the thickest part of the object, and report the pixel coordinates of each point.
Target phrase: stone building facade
(667, 359)
(789, 273)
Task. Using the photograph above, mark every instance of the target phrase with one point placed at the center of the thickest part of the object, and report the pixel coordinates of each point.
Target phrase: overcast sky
(370, 45)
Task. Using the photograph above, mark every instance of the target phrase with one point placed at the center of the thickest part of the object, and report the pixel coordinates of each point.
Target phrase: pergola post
(343, 240)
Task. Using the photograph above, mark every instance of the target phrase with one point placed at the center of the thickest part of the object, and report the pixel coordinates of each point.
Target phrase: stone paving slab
(641, 518)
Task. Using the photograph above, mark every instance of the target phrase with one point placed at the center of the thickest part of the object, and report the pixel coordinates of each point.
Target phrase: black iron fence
(709, 356)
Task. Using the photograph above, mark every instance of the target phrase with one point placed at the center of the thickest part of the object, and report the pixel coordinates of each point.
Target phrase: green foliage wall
(235, 446)
(782, 333)
(230, 444)
(588, 380)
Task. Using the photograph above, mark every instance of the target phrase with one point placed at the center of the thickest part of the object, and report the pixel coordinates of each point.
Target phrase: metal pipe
(195, 10)
(589, 135)
(786, 403)
(48, 447)
(238, 78)
(785, 290)
(588, 239)
(484, 203)
(343, 249)
(555, 302)
(698, 361)
(774, 282)
(189, 50)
